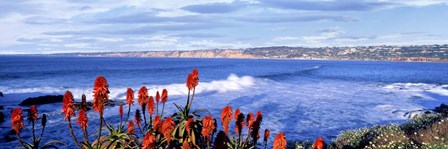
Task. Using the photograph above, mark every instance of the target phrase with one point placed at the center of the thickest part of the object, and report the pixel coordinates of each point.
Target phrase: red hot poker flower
(83, 102)
(157, 97)
(17, 120)
(239, 123)
(82, 119)
(130, 96)
(100, 94)
(189, 81)
(208, 125)
(266, 134)
(142, 95)
(237, 113)
(185, 145)
(250, 120)
(190, 123)
(157, 123)
(319, 143)
(195, 77)
(68, 105)
(138, 117)
(226, 117)
(256, 125)
(164, 96)
(280, 141)
(131, 128)
(149, 141)
(150, 105)
(32, 113)
(121, 110)
(167, 128)
(259, 116)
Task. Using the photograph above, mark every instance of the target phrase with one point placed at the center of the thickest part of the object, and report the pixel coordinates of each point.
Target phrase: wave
(440, 89)
(280, 76)
(232, 83)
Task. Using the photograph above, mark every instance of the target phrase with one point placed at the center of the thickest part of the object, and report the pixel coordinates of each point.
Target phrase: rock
(42, 100)
(8, 139)
(1, 94)
(1, 107)
(443, 109)
(89, 105)
(2, 117)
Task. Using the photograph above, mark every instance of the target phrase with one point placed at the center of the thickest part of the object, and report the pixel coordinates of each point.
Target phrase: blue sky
(59, 26)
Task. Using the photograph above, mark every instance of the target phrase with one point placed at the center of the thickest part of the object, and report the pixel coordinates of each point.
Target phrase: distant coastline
(421, 53)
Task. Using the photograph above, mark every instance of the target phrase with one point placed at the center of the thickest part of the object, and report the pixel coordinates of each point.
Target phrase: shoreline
(223, 58)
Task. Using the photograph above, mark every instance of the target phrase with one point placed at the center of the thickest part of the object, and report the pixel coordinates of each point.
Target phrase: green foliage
(423, 131)
(420, 121)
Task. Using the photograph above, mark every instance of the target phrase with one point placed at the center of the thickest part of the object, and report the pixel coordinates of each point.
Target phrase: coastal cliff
(426, 53)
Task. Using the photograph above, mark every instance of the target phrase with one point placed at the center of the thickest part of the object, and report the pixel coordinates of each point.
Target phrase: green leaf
(28, 145)
(50, 143)
(201, 111)
(179, 108)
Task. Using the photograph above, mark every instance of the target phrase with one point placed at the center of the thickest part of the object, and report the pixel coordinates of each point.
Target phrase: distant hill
(433, 53)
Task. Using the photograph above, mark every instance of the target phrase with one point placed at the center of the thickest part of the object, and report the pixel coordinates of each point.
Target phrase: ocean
(302, 98)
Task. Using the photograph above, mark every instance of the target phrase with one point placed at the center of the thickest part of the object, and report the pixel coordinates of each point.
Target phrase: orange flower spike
(121, 110)
(237, 113)
(164, 96)
(32, 113)
(280, 141)
(142, 95)
(208, 125)
(259, 116)
(100, 93)
(150, 105)
(82, 119)
(239, 124)
(189, 81)
(190, 123)
(17, 120)
(319, 143)
(168, 127)
(226, 117)
(250, 120)
(131, 128)
(130, 96)
(149, 142)
(266, 134)
(157, 123)
(138, 118)
(68, 105)
(157, 97)
(256, 125)
(195, 77)
(185, 145)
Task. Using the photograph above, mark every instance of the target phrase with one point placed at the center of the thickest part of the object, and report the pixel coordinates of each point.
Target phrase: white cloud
(417, 2)
(83, 25)
(76, 45)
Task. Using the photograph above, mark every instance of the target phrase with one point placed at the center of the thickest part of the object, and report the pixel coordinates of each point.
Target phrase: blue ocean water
(303, 98)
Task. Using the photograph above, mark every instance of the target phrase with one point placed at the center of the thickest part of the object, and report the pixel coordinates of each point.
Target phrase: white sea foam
(233, 82)
(419, 89)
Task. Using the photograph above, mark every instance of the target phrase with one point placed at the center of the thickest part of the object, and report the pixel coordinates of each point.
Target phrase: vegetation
(184, 129)
(151, 127)
(428, 130)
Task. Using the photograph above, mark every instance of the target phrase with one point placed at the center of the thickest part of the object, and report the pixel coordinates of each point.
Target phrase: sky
(64, 26)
